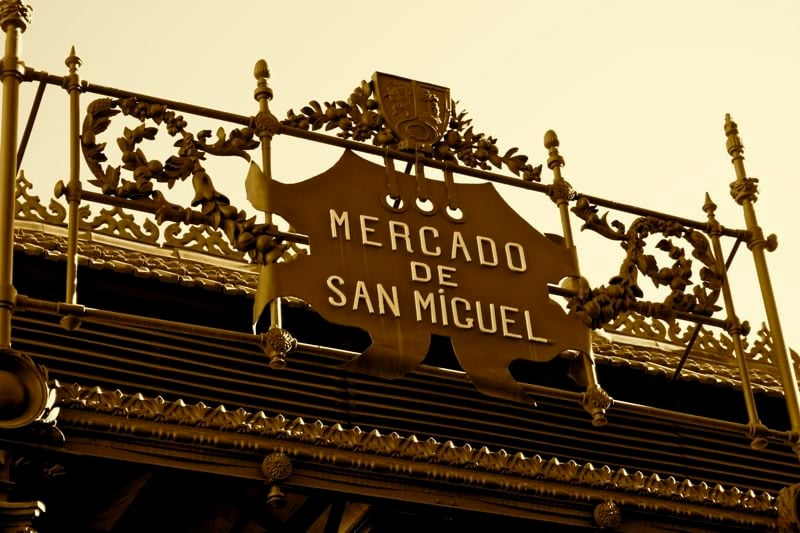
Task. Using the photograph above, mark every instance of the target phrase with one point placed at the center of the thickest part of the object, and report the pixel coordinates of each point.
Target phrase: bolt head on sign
(402, 272)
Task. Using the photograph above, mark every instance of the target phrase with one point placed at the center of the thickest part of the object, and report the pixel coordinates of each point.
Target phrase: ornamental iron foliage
(360, 119)
(28, 206)
(711, 342)
(599, 306)
(215, 209)
(117, 222)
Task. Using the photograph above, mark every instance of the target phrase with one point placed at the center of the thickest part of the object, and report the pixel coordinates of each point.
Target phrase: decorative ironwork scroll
(243, 233)
(29, 207)
(712, 352)
(199, 238)
(599, 306)
(117, 222)
(635, 325)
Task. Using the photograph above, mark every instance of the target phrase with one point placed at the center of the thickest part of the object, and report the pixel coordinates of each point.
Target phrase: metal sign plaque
(402, 273)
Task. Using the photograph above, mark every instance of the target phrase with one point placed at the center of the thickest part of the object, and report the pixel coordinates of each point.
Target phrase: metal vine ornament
(398, 115)
(359, 118)
(599, 306)
(362, 118)
(215, 208)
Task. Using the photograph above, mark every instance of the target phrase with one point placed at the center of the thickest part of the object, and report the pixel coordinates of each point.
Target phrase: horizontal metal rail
(248, 121)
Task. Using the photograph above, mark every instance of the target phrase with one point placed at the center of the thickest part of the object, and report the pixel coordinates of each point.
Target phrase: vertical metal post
(14, 20)
(74, 187)
(745, 192)
(277, 342)
(595, 400)
(266, 127)
(266, 123)
(24, 389)
(562, 191)
(756, 428)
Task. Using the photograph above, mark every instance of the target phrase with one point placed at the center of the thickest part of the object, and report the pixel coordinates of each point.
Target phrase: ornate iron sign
(403, 271)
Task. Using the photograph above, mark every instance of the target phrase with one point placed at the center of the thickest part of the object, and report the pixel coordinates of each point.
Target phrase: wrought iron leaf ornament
(28, 206)
(599, 306)
(215, 208)
(360, 119)
(115, 221)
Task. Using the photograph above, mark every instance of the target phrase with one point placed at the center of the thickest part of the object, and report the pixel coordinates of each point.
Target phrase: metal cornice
(116, 412)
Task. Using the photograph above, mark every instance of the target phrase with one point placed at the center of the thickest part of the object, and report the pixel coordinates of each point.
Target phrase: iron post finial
(266, 124)
(261, 73)
(730, 125)
(709, 207)
(734, 143)
(551, 143)
(744, 189)
(14, 12)
(261, 69)
(550, 139)
(73, 61)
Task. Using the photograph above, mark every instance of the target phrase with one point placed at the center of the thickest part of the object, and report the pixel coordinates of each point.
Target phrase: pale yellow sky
(637, 92)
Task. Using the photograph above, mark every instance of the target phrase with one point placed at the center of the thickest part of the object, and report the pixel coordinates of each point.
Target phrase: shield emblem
(418, 113)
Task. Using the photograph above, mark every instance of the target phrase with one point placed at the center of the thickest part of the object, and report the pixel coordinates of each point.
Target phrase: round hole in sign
(395, 203)
(455, 214)
(425, 206)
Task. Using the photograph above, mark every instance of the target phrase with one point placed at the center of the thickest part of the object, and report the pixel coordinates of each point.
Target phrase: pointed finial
(73, 61)
(709, 207)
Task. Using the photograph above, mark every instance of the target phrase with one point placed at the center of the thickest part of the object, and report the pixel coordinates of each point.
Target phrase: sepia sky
(637, 92)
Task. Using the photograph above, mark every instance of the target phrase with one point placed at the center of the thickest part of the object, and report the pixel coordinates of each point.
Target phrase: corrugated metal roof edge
(657, 354)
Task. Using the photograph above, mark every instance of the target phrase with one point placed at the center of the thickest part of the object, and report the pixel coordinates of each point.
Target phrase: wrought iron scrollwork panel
(215, 209)
(29, 207)
(596, 307)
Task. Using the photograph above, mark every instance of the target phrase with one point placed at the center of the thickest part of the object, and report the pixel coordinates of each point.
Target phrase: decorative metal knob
(276, 467)
(608, 515)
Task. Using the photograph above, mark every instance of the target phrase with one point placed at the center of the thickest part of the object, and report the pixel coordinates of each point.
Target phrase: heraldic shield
(401, 273)
(418, 113)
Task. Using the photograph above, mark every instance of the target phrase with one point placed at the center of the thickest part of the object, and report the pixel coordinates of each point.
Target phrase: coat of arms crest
(418, 113)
